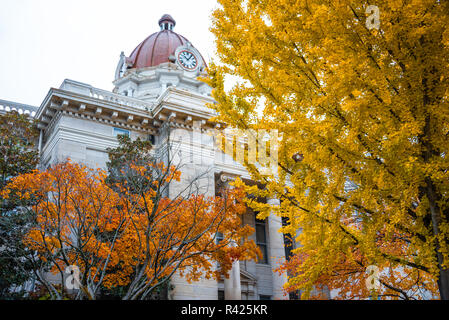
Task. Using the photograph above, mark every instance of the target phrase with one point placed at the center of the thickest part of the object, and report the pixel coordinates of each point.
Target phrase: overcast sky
(43, 42)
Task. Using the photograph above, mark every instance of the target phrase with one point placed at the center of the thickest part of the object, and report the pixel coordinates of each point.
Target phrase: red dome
(158, 47)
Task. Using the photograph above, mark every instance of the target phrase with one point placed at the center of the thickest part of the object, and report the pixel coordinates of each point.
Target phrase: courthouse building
(157, 96)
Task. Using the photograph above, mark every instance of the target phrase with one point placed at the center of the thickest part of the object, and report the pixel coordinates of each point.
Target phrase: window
(118, 131)
(288, 241)
(262, 297)
(152, 139)
(167, 26)
(219, 237)
(261, 240)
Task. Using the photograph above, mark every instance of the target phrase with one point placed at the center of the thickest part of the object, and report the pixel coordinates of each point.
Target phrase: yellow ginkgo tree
(358, 91)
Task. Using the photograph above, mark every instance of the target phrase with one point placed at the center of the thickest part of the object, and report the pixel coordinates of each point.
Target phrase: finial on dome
(167, 22)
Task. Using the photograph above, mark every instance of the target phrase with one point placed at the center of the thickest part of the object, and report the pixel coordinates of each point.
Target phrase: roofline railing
(6, 106)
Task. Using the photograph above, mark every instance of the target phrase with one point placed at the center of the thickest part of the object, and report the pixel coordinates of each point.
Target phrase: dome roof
(158, 47)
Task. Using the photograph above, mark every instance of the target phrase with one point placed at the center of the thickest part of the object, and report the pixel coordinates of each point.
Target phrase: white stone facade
(80, 122)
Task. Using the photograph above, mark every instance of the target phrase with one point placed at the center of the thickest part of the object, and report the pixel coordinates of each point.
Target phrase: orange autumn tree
(119, 237)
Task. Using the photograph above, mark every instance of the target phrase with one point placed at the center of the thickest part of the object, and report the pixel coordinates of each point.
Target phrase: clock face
(187, 59)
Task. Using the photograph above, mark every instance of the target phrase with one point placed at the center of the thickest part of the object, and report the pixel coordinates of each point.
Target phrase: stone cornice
(155, 73)
(188, 106)
(95, 109)
(179, 107)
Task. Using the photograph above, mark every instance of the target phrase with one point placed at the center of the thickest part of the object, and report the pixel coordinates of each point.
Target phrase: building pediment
(245, 277)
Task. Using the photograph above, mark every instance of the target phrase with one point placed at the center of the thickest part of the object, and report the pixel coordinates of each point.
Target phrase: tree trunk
(443, 284)
(443, 278)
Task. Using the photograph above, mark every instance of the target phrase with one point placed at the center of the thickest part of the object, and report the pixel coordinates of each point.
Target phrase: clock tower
(164, 59)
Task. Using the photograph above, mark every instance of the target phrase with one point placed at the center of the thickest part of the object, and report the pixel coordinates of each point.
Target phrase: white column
(40, 142)
(197, 145)
(163, 87)
(232, 285)
(276, 251)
